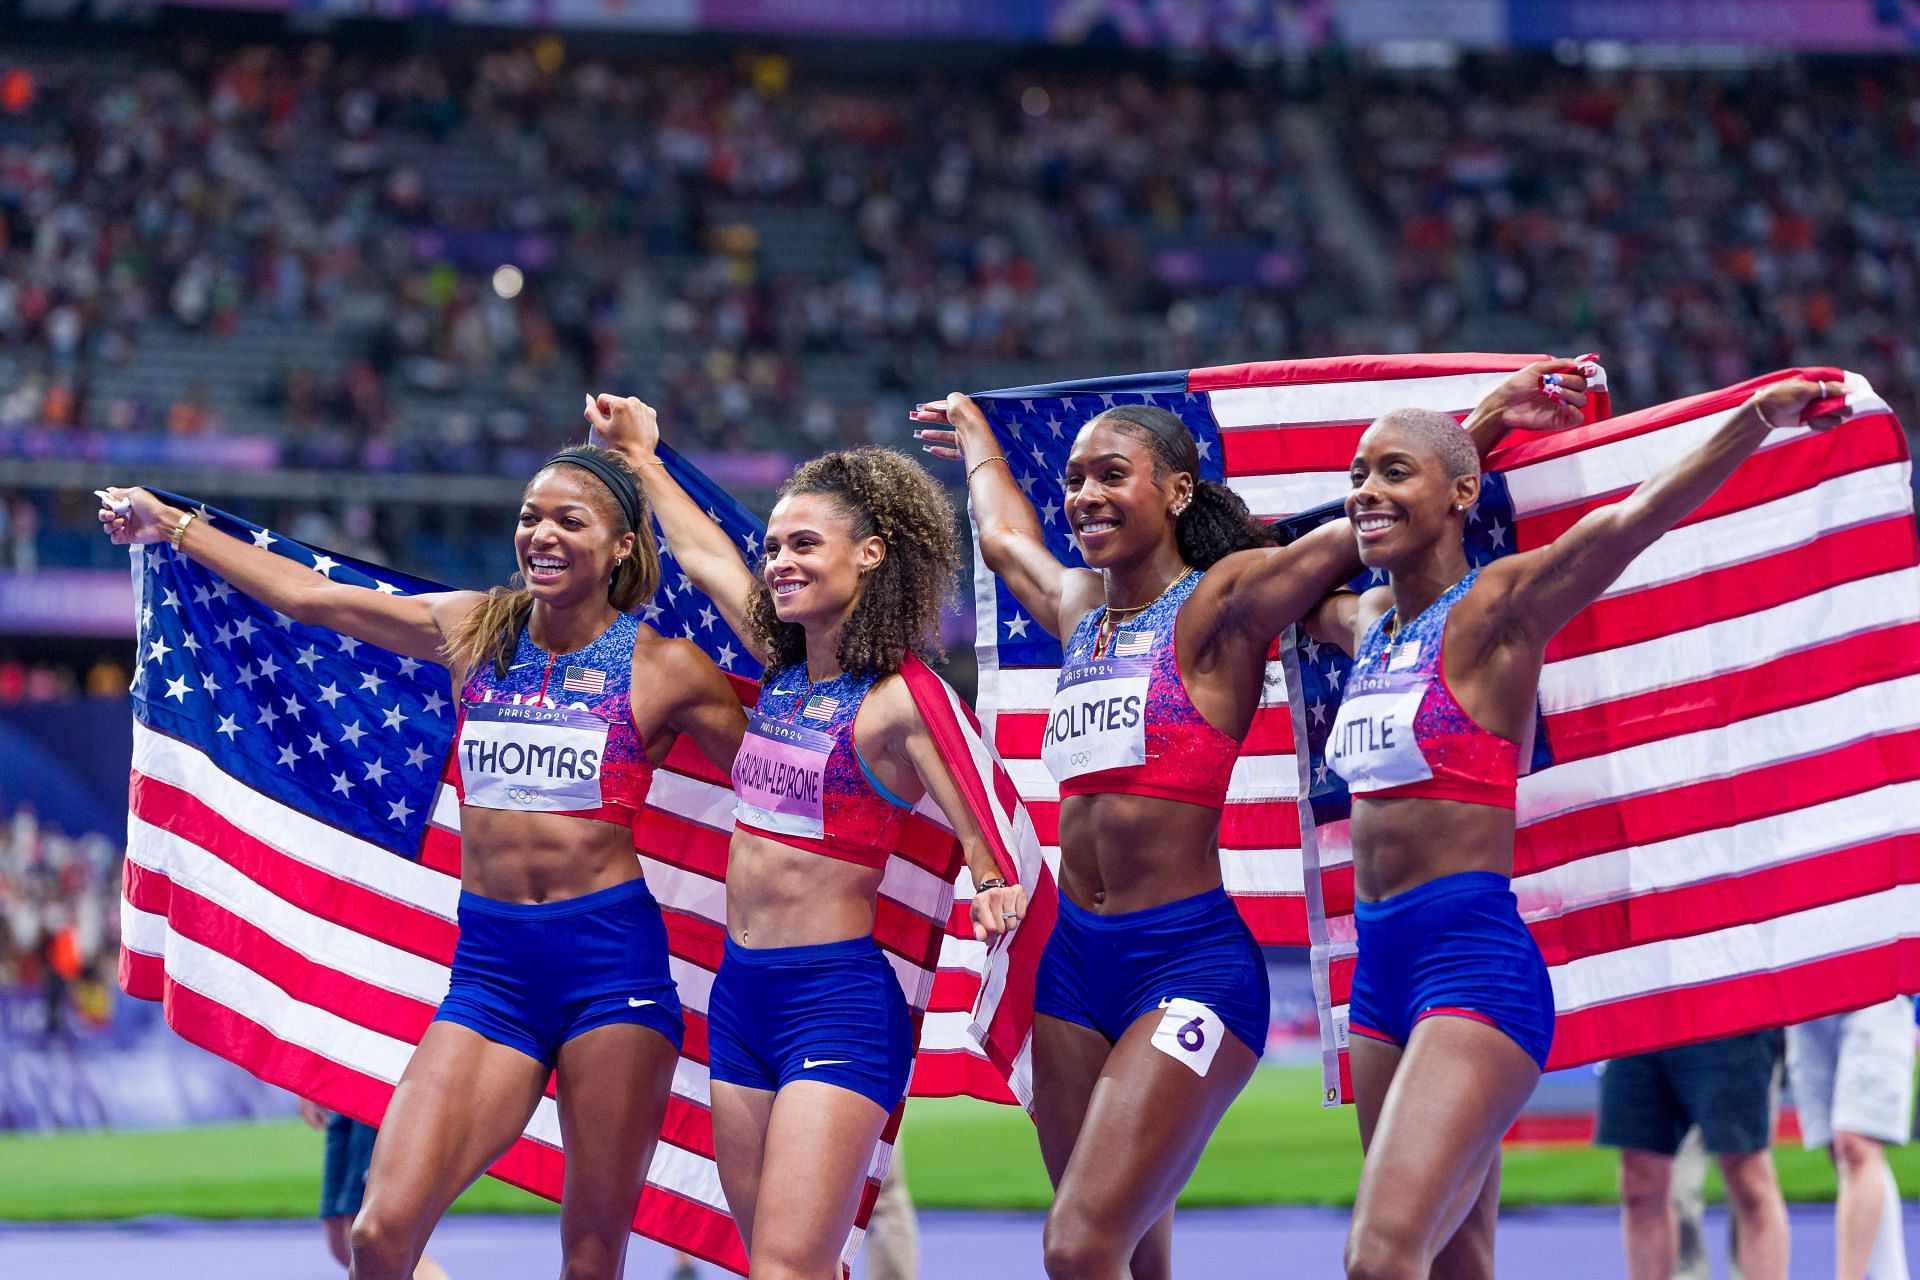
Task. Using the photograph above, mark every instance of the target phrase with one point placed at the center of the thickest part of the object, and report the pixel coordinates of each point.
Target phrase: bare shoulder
(1080, 591)
(674, 663)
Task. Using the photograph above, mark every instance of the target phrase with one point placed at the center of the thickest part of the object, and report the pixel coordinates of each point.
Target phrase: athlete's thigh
(1067, 1059)
(819, 1147)
(1372, 1063)
(740, 1117)
(1459, 1086)
(460, 1103)
(612, 1095)
(1149, 1120)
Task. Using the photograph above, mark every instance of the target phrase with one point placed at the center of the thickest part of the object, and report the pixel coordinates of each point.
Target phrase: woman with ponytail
(1151, 999)
(809, 1035)
(566, 705)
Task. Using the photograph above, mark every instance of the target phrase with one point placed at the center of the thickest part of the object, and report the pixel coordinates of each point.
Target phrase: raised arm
(1535, 593)
(414, 626)
(710, 558)
(909, 743)
(1011, 539)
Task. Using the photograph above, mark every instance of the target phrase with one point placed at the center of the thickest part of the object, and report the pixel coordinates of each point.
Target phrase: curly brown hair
(492, 630)
(880, 492)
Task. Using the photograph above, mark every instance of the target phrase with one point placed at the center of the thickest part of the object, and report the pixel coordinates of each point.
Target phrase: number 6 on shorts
(1190, 1033)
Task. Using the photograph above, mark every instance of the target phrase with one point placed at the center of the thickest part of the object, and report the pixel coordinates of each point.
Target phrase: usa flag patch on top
(584, 680)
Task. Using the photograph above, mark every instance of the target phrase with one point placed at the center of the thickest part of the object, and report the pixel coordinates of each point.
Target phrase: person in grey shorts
(1647, 1104)
(1852, 1080)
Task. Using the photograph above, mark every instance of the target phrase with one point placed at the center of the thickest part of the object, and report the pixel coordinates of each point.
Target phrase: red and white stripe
(316, 960)
(1726, 839)
(1288, 430)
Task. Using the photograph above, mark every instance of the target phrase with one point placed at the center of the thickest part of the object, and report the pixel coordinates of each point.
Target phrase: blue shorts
(343, 1173)
(532, 976)
(1454, 946)
(1105, 971)
(832, 1012)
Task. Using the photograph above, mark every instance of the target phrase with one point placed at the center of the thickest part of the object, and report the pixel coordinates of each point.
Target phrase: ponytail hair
(492, 631)
(1216, 522)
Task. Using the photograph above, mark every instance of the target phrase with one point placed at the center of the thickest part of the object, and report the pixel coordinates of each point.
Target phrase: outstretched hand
(135, 516)
(1547, 395)
(626, 424)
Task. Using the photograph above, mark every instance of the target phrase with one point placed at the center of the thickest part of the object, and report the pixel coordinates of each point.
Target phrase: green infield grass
(1277, 1146)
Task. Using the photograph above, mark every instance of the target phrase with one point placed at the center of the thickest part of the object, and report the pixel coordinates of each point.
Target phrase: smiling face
(813, 562)
(1404, 498)
(566, 541)
(1115, 508)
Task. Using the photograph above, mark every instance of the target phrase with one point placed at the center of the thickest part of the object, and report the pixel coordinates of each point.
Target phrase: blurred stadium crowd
(59, 917)
(402, 264)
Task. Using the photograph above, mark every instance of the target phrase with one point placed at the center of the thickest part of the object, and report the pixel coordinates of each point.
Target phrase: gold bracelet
(180, 530)
(992, 457)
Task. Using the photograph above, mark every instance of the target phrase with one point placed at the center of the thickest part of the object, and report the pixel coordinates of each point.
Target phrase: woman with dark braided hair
(566, 705)
(1151, 1000)
(808, 1032)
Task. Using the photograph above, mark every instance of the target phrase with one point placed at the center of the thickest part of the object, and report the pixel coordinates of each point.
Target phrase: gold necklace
(1111, 620)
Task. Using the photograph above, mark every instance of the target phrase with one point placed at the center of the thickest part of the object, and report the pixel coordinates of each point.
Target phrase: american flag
(583, 680)
(1281, 434)
(294, 855)
(1712, 838)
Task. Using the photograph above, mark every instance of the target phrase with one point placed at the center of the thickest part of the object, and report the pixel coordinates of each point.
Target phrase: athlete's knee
(1377, 1254)
(1077, 1248)
(382, 1249)
(1856, 1155)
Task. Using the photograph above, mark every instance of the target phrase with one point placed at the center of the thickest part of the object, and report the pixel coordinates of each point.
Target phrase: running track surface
(1567, 1244)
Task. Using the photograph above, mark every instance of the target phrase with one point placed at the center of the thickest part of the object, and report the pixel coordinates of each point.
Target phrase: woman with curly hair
(1151, 999)
(561, 964)
(809, 1035)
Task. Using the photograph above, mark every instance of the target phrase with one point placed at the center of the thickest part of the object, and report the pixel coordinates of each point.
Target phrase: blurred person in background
(1852, 1079)
(1647, 1104)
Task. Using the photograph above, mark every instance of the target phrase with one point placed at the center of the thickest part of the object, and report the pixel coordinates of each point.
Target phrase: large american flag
(294, 855)
(1715, 835)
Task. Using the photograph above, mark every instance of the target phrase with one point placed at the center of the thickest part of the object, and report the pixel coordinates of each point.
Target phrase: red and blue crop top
(555, 734)
(1122, 722)
(1401, 733)
(798, 778)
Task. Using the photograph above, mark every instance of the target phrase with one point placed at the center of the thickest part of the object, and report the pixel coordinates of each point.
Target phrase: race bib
(534, 759)
(1372, 745)
(1190, 1033)
(1098, 719)
(779, 777)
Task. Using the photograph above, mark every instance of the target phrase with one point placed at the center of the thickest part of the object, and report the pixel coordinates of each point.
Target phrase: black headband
(616, 480)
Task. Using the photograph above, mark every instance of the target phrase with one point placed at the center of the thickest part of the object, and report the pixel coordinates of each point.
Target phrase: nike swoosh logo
(639, 1004)
(810, 1063)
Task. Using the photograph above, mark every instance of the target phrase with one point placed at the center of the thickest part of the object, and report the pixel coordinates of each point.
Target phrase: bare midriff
(1123, 853)
(1402, 844)
(780, 896)
(542, 857)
